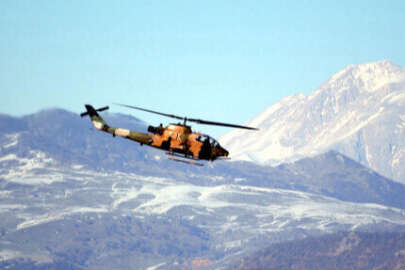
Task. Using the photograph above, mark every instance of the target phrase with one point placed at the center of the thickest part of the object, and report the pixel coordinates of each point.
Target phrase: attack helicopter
(178, 140)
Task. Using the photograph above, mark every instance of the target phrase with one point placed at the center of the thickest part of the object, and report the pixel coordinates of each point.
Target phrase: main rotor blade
(146, 110)
(204, 122)
(198, 121)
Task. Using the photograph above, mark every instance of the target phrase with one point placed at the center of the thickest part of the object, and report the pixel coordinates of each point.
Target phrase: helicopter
(178, 140)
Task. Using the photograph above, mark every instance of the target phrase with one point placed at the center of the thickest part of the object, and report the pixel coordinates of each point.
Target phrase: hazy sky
(216, 60)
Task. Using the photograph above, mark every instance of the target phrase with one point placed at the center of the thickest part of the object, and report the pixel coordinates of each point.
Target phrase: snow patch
(340, 158)
(233, 244)
(11, 207)
(39, 220)
(13, 140)
(26, 172)
(77, 167)
(397, 99)
(8, 157)
(49, 217)
(362, 124)
(155, 267)
(5, 193)
(8, 254)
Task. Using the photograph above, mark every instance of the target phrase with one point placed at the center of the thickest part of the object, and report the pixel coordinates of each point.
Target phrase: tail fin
(96, 119)
(91, 111)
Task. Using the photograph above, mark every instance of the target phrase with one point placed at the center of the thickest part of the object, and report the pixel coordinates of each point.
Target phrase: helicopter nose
(225, 152)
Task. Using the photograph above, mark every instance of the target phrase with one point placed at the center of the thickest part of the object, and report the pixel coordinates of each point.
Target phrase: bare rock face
(359, 112)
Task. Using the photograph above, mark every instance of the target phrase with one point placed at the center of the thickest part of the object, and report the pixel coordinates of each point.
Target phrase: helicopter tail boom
(99, 123)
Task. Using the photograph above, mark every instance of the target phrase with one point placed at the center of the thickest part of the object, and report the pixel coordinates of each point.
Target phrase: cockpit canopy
(205, 138)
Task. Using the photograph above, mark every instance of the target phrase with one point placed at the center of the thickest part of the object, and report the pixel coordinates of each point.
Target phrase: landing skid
(191, 162)
(223, 158)
(181, 158)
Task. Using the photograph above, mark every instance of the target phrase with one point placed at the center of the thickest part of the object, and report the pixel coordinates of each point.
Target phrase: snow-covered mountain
(359, 112)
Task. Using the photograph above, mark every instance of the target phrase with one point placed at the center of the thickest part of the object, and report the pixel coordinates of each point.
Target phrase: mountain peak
(358, 112)
(367, 77)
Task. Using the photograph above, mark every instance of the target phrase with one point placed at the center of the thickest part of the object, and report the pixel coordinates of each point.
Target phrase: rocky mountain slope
(359, 112)
(74, 198)
(112, 220)
(333, 252)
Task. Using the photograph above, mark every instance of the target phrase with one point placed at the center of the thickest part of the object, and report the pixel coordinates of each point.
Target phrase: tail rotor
(91, 111)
